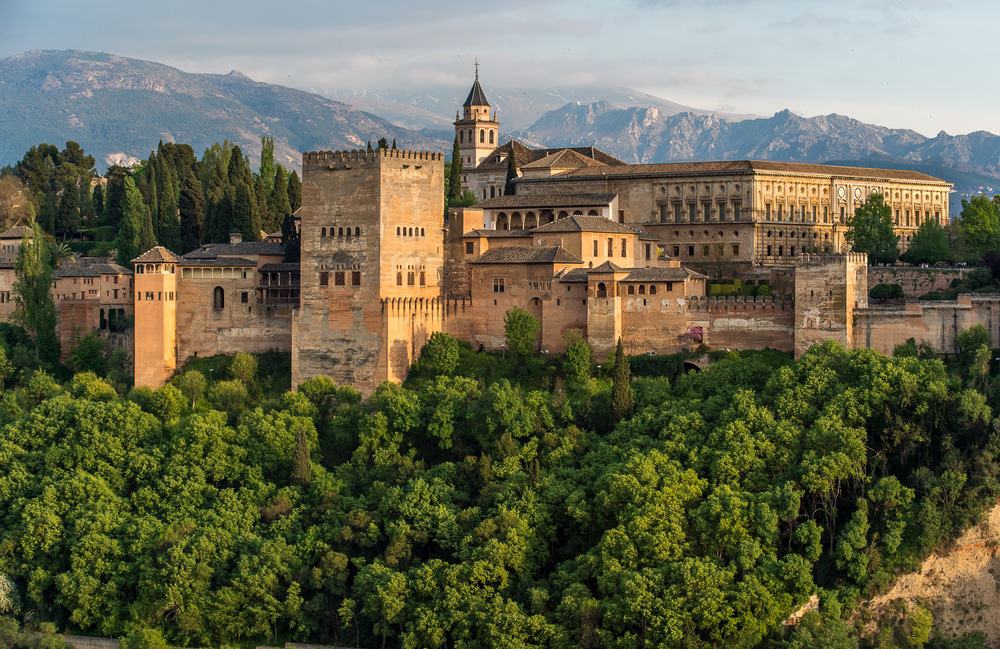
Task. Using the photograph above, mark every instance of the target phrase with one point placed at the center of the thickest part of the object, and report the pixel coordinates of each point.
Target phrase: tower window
(356, 278)
(491, 136)
(482, 136)
(409, 279)
(338, 278)
(324, 279)
(399, 279)
(218, 298)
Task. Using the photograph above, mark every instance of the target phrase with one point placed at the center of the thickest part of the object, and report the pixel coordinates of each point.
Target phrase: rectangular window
(736, 249)
(706, 211)
(399, 279)
(690, 251)
(621, 216)
(814, 213)
(611, 247)
(767, 211)
(736, 210)
(410, 278)
(677, 212)
(149, 295)
(498, 285)
(676, 251)
(624, 248)
(663, 212)
(423, 278)
(826, 214)
(244, 297)
(704, 250)
(842, 210)
(595, 247)
(780, 209)
(338, 278)
(648, 249)
(469, 247)
(722, 210)
(692, 212)
(356, 278)
(324, 279)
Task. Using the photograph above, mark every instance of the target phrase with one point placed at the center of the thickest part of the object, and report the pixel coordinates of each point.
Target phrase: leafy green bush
(886, 292)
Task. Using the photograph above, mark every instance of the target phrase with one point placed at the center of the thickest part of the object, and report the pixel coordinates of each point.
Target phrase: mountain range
(119, 108)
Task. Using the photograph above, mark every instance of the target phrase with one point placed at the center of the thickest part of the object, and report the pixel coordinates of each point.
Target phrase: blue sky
(922, 64)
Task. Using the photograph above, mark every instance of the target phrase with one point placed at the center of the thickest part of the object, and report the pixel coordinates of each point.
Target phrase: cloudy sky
(929, 65)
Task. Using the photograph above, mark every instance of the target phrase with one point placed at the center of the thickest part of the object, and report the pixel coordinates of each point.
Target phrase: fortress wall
(916, 282)
(934, 323)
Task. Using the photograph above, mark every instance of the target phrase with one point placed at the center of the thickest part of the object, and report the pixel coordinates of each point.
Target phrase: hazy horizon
(922, 65)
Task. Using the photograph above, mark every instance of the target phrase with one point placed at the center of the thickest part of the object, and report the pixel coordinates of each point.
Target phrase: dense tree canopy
(870, 230)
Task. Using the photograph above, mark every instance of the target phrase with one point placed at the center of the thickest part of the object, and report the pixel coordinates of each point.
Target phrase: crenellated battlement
(364, 157)
(411, 305)
(740, 303)
(815, 259)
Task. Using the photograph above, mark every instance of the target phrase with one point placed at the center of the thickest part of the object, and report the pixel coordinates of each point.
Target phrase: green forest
(493, 500)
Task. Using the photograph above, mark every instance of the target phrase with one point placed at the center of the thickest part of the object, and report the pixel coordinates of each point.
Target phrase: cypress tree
(393, 144)
(114, 197)
(290, 237)
(263, 201)
(69, 209)
(192, 210)
(508, 186)
(383, 144)
(294, 192)
(220, 220)
(242, 218)
(34, 309)
(153, 201)
(455, 177)
(369, 146)
(302, 471)
(280, 205)
(97, 199)
(132, 229)
(167, 226)
(147, 237)
(622, 400)
(267, 169)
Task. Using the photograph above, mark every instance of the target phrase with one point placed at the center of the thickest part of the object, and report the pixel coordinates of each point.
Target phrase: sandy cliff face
(960, 586)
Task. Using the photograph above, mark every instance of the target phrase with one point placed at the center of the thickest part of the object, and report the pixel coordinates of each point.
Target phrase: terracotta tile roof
(528, 255)
(662, 275)
(524, 155)
(579, 223)
(212, 250)
(283, 267)
(546, 200)
(217, 261)
(16, 232)
(576, 275)
(607, 267)
(565, 158)
(92, 270)
(156, 254)
(501, 234)
(738, 167)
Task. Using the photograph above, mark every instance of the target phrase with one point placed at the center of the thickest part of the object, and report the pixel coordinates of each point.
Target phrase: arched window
(357, 231)
(491, 136)
(652, 289)
(493, 191)
(411, 232)
(397, 230)
(322, 231)
(592, 213)
(340, 232)
(461, 137)
(631, 290)
(219, 298)
(482, 135)
(642, 289)
(421, 232)
(602, 290)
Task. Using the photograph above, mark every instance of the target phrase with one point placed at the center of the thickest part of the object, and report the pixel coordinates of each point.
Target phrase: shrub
(886, 292)
(440, 354)
(522, 331)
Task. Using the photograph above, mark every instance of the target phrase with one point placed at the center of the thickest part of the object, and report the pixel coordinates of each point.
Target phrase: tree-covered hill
(119, 108)
(493, 501)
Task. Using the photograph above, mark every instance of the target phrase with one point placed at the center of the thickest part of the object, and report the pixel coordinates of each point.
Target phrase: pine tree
(192, 210)
(455, 178)
(622, 400)
(294, 192)
(34, 309)
(132, 231)
(302, 471)
(280, 205)
(508, 186)
(267, 168)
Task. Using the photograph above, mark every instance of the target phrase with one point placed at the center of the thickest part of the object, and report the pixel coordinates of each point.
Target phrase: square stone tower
(155, 299)
(828, 288)
(372, 257)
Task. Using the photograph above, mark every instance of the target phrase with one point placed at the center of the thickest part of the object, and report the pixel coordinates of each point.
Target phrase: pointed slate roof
(156, 255)
(476, 96)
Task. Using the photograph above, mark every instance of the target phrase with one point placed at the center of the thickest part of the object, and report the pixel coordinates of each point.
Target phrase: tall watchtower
(372, 242)
(478, 131)
(155, 299)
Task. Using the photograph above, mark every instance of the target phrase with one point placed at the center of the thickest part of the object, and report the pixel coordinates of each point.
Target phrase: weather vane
(477, 69)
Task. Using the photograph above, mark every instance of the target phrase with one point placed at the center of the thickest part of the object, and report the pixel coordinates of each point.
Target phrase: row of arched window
(464, 135)
(339, 231)
(641, 289)
(409, 232)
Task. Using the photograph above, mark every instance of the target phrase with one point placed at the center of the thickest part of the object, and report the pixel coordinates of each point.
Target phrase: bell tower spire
(477, 131)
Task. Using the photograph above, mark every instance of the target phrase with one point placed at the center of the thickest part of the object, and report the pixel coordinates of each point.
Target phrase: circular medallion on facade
(841, 192)
(857, 192)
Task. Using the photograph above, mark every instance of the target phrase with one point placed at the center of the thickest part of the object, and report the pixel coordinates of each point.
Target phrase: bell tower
(477, 130)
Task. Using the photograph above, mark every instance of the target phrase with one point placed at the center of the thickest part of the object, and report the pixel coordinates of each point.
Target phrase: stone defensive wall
(932, 322)
(915, 282)
(363, 157)
(739, 303)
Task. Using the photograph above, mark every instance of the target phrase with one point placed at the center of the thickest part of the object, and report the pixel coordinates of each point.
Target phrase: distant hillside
(648, 134)
(118, 107)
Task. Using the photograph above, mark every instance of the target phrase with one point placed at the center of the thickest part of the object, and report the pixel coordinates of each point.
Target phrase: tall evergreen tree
(135, 231)
(167, 225)
(69, 209)
(114, 196)
(34, 309)
(243, 219)
(97, 199)
(153, 200)
(280, 205)
(370, 146)
(622, 399)
(294, 192)
(302, 470)
(263, 202)
(455, 176)
(267, 167)
(290, 237)
(508, 185)
(192, 210)
(393, 144)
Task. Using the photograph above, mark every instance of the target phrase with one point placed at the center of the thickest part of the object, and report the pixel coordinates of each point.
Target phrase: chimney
(235, 237)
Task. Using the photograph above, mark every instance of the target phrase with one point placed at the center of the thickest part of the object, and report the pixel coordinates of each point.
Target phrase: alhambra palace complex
(586, 243)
